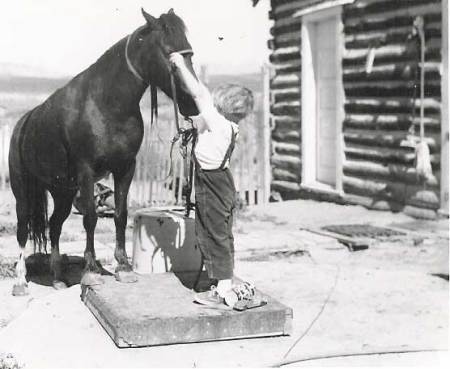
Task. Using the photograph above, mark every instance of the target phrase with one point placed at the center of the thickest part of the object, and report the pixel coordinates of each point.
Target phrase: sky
(62, 37)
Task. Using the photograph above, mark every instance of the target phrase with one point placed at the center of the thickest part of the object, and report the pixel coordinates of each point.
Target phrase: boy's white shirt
(214, 138)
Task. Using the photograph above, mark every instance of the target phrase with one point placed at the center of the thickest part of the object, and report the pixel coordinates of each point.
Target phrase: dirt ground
(393, 295)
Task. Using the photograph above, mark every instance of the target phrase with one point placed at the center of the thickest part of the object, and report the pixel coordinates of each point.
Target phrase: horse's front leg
(91, 275)
(122, 181)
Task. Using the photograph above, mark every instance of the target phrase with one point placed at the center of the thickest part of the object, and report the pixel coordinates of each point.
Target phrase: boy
(214, 186)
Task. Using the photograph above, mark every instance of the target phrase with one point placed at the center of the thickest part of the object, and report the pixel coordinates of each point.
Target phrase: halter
(130, 64)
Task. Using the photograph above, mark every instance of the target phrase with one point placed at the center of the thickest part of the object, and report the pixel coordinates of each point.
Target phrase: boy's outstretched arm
(191, 83)
(196, 89)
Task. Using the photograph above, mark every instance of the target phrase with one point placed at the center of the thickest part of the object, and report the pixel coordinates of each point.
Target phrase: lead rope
(175, 101)
(189, 204)
(187, 135)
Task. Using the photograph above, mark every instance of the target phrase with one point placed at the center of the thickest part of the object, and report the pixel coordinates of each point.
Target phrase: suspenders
(189, 205)
(225, 158)
(229, 150)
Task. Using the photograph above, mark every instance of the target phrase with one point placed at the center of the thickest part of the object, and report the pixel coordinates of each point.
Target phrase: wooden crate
(164, 241)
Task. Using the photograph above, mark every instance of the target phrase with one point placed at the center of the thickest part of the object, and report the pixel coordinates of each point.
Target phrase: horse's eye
(140, 39)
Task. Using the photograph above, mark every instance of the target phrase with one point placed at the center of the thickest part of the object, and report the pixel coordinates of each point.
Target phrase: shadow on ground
(440, 275)
(38, 269)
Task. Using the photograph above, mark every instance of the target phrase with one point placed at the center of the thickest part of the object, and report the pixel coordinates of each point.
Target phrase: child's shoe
(211, 298)
(245, 297)
(240, 297)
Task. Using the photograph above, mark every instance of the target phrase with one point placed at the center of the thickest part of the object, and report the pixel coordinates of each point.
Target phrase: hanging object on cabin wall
(371, 53)
(370, 59)
(423, 161)
(422, 151)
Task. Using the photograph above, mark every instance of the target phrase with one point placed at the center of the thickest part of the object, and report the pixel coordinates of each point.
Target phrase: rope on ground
(339, 354)
(338, 271)
(333, 355)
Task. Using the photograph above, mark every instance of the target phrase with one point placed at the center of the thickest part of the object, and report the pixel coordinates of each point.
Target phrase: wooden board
(353, 244)
(159, 310)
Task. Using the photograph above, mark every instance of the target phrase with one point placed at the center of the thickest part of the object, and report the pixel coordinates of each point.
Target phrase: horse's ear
(150, 19)
(171, 11)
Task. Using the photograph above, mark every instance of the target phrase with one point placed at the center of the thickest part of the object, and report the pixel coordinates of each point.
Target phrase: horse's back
(39, 141)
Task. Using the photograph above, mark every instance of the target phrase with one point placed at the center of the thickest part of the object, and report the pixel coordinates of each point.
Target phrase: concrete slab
(58, 331)
(159, 310)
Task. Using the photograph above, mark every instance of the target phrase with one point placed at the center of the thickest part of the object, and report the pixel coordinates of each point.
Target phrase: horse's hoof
(123, 267)
(20, 289)
(59, 285)
(91, 279)
(126, 276)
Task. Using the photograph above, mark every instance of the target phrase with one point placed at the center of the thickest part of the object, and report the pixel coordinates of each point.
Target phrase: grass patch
(8, 229)
(8, 361)
(7, 269)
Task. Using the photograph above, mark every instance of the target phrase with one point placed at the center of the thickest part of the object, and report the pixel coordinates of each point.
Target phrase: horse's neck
(117, 83)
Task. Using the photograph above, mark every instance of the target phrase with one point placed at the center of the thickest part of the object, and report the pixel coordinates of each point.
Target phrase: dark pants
(214, 204)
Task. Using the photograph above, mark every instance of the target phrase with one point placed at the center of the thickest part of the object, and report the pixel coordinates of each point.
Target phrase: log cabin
(345, 102)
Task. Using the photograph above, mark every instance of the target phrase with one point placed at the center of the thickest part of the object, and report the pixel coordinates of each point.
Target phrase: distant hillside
(27, 84)
(25, 70)
(21, 93)
(30, 85)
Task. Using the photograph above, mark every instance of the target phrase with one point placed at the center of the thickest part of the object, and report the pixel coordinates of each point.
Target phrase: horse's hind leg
(91, 275)
(62, 206)
(23, 213)
(122, 181)
(20, 288)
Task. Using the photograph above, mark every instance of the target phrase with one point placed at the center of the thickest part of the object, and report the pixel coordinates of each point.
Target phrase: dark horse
(91, 127)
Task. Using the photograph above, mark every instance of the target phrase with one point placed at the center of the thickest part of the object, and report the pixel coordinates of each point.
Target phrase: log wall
(377, 171)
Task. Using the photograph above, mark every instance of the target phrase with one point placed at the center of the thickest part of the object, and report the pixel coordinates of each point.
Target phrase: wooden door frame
(308, 102)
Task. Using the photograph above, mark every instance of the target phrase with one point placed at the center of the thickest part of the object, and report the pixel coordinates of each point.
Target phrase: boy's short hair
(233, 101)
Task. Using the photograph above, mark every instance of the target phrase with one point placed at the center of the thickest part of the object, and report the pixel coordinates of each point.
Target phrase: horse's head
(159, 38)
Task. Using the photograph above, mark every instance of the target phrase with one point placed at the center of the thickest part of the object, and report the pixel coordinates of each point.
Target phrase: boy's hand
(177, 60)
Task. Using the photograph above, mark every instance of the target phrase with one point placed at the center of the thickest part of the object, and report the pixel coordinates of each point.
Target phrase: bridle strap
(185, 51)
(175, 100)
(129, 64)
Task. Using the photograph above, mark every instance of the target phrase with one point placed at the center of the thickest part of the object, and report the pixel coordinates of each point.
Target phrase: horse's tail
(30, 192)
(37, 213)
